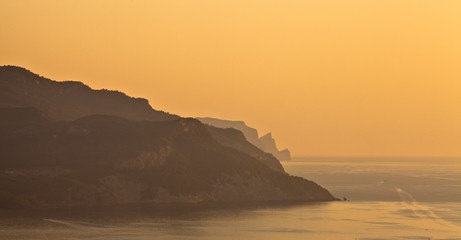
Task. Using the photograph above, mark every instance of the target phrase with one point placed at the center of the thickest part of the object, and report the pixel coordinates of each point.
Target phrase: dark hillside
(70, 100)
(105, 160)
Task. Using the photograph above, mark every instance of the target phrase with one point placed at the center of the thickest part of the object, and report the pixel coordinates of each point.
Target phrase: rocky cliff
(266, 143)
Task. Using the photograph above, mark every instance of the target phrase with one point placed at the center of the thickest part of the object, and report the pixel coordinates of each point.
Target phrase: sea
(382, 198)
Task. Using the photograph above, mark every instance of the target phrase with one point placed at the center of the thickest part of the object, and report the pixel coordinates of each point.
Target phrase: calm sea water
(389, 199)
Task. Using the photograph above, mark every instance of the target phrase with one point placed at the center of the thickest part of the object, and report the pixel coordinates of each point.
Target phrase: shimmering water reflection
(335, 220)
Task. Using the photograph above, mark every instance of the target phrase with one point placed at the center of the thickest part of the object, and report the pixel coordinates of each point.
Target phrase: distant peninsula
(266, 143)
(63, 144)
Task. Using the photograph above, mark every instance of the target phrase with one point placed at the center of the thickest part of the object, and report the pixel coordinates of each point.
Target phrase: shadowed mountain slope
(107, 160)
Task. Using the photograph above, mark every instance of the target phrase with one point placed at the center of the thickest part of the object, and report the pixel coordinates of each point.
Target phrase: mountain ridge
(48, 158)
(25, 88)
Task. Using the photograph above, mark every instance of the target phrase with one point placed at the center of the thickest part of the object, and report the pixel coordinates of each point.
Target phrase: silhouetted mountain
(70, 100)
(64, 144)
(265, 143)
(104, 160)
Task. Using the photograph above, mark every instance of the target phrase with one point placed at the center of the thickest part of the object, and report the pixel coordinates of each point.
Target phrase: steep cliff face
(70, 100)
(266, 143)
(105, 160)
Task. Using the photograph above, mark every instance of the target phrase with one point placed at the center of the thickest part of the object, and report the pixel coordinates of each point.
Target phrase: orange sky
(330, 77)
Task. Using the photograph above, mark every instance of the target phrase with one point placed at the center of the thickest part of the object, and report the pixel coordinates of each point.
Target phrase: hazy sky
(326, 77)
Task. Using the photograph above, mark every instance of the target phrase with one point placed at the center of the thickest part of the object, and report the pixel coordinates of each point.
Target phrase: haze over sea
(390, 198)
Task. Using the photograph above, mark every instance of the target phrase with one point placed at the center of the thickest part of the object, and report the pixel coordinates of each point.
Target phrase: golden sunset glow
(333, 77)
